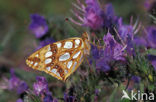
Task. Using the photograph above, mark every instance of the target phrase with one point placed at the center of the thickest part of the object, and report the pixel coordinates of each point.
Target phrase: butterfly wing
(59, 59)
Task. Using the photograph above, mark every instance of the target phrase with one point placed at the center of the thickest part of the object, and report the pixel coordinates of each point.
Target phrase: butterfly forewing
(59, 59)
(40, 58)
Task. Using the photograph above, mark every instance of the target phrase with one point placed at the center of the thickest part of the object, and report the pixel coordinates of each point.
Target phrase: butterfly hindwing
(73, 63)
(68, 56)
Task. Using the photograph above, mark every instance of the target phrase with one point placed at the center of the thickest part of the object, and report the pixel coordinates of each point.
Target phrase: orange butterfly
(61, 58)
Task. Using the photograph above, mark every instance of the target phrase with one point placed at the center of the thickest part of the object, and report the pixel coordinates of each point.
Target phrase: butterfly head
(85, 36)
(86, 39)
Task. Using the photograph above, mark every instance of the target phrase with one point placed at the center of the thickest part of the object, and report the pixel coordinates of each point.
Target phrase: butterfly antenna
(71, 22)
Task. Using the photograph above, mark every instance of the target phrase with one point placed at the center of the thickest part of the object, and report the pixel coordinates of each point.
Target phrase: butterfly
(62, 58)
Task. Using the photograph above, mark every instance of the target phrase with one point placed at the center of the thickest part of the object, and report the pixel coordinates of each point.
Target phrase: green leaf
(125, 100)
(152, 51)
(151, 87)
(112, 97)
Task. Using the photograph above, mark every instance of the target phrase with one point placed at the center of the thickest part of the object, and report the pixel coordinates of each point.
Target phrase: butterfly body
(61, 58)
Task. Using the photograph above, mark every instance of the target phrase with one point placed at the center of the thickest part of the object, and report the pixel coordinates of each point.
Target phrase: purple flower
(110, 18)
(126, 35)
(152, 59)
(113, 52)
(46, 42)
(16, 84)
(92, 3)
(13, 81)
(96, 91)
(113, 49)
(151, 37)
(148, 4)
(55, 100)
(109, 10)
(38, 25)
(22, 87)
(125, 31)
(102, 65)
(136, 79)
(19, 100)
(109, 40)
(149, 40)
(48, 97)
(96, 52)
(68, 98)
(93, 16)
(41, 86)
(140, 41)
(96, 95)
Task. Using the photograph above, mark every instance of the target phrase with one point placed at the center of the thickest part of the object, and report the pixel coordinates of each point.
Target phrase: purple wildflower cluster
(121, 39)
(112, 51)
(40, 88)
(149, 41)
(93, 16)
